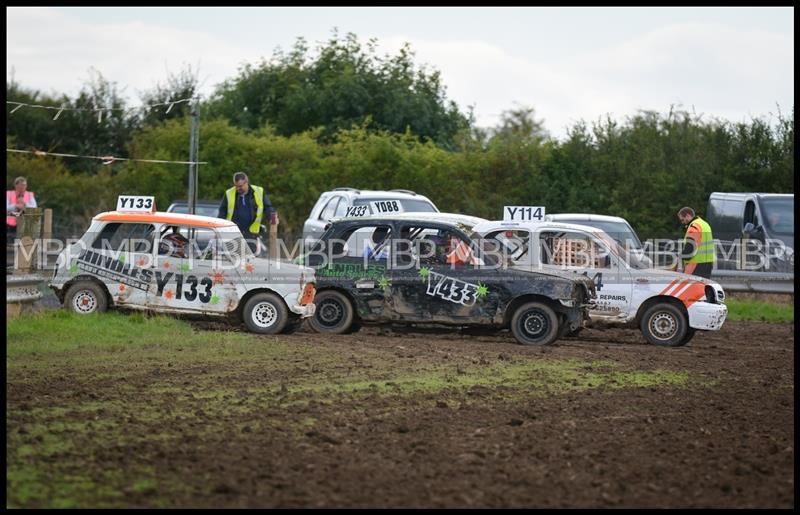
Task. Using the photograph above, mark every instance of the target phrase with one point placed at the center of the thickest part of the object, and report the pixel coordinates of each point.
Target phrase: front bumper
(304, 311)
(706, 316)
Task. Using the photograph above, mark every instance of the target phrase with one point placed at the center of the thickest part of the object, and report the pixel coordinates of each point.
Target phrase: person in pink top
(17, 200)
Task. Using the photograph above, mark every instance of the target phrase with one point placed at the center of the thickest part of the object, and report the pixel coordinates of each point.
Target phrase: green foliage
(75, 132)
(342, 85)
(759, 311)
(300, 124)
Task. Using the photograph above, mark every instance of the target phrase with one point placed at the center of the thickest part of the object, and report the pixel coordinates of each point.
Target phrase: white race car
(667, 306)
(149, 260)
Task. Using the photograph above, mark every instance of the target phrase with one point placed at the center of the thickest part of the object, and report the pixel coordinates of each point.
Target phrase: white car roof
(584, 216)
(497, 225)
(398, 194)
(447, 218)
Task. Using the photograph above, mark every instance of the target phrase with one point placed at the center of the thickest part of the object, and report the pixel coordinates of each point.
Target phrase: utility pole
(194, 145)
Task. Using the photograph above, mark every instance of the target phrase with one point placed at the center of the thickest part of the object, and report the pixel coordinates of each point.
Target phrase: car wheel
(689, 335)
(664, 324)
(294, 324)
(86, 297)
(334, 313)
(265, 313)
(355, 327)
(535, 323)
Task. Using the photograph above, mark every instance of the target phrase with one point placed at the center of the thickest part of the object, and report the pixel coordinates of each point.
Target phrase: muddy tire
(86, 297)
(334, 313)
(265, 313)
(293, 325)
(535, 323)
(565, 332)
(689, 335)
(665, 325)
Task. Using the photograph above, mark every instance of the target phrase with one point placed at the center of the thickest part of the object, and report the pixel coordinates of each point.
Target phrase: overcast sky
(568, 63)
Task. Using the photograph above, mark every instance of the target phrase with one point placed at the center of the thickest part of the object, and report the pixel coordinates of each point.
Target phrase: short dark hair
(686, 211)
(239, 176)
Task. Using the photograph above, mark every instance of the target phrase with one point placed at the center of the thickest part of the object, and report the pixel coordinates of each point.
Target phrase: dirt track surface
(723, 439)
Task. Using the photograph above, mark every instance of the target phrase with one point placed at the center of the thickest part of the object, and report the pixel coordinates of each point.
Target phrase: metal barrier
(22, 290)
(755, 282)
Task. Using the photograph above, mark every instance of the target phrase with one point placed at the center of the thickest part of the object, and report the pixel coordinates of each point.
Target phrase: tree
(178, 86)
(337, 89)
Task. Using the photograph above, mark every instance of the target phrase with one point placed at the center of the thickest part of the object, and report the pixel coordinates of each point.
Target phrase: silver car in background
(334, 204)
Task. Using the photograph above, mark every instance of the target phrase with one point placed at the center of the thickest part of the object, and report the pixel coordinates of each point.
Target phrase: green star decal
(384, 283)
(215, 299)
(482, 290)
(122, 258)
(73, 269)
(424, 271)
(185, 267)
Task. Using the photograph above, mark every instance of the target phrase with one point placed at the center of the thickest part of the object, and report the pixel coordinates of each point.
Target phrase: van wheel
(86, 297)
(334, 313)
(535, 323)
(664, 324)
(265, 313)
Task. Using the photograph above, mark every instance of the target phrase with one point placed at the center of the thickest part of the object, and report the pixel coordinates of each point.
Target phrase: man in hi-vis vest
(698, 240)
(16, 201)
(247, 205)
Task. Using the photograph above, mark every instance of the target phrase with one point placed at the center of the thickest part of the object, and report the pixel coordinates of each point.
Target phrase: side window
(130, 237)
(509, 243)
(436, 246)
(329, 209)
(341, 209)
(371, 242)
(750, 215)
(174, 242)
(572, 249)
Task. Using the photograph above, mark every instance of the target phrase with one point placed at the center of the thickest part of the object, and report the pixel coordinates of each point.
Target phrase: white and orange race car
(138, 258)
(667, 306)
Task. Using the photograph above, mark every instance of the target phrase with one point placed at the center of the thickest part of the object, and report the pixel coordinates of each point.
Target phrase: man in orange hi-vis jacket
(698, 244)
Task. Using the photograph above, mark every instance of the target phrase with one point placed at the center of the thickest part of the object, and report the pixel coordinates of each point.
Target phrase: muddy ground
(425, 425)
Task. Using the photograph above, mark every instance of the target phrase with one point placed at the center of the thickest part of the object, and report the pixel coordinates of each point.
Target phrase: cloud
(53, 52)
(723, 72)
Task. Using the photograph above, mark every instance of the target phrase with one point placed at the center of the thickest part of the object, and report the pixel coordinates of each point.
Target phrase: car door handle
(365, 284)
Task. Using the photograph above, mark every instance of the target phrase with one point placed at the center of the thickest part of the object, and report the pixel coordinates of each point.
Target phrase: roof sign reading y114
(523, 213)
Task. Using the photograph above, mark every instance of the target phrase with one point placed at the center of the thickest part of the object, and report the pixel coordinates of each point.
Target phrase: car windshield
(409, 205)
(779, 214)
(200, 209)
(619, 231)
(633, 259)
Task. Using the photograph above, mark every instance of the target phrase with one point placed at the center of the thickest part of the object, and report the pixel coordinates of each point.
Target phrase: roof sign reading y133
(133, 203)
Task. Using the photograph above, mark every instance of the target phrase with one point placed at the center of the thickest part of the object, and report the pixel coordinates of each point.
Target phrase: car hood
(667, 276)
(553, 271)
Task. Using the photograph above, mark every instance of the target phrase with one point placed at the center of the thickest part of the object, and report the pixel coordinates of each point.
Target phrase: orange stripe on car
(695, 292)
(672, 291)
(670, 285)
(164, 218)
